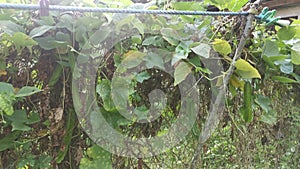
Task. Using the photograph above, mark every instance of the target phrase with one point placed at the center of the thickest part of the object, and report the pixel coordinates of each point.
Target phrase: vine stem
(218, 105)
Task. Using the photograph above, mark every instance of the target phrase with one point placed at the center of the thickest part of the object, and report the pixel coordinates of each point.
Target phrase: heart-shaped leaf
(246, 70)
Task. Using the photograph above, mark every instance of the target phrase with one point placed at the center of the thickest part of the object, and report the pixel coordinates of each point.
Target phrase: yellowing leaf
(181, 72)
(132, 59)
(219, 81)
(3, 73)
(222, 47)
(245, 70)
(234, 81)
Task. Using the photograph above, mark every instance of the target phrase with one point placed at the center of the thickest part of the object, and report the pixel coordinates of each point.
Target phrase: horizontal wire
(116, 10)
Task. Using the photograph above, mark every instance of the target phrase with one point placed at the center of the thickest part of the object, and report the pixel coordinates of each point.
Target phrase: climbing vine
(40, 56)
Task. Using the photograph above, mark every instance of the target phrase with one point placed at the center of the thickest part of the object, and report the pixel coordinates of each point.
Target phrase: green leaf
(270, 48)
(22, 40)
(296, 47)
(142, 76)
(63, 37)
(141, 113)
(34, 117)
(236, 5)
(297, 77)
(286, 33)
(222, 47)
(264, 102)
(181, 72)
(19, 120)
(221, 4)
(104, 90)
(269, 118)
(49, 43)
(19, 127)
(246, 70)
(10, 27)
(9, 140)
(99, 36)
(132, 59)
(153, 40)
(188, 6)
(6, 105)
(39, 31)
(287, 68)
(246, 110)
(154, 60)
(247, 114)
(284, 79)
(43, 161)
(55, 75)
(138, 25)
(136, 39)
(67, 137)
(96, 158)
(170, 35)
(120, 92)
(27, 91)
(202, 50)
(6, 88)
(295, 55)
(181, 51)
(67, 21)
(45, 20)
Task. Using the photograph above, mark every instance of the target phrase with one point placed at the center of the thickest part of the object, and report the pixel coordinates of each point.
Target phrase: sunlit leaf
(286, 33)
(236, 5)
(222, 46)
(246, 70)
(296, 46)
(295, 55)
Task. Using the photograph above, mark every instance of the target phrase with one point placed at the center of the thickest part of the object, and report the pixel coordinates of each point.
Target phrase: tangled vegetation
(39, 127)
